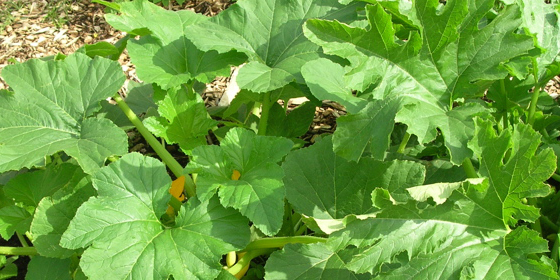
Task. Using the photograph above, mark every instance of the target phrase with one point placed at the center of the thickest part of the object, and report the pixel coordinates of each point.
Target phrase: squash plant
(440, 169)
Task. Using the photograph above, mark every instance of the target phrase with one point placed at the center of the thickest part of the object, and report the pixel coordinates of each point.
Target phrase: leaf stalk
(279, 242)
(536, 93)
(469, 168)
(167, 158)
(18, 251)
(263, 122)
(404, 142)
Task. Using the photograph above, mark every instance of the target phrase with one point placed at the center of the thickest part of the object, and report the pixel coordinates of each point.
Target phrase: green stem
(555, 177)
(167, 158)
(404, 141)
(279, 242)
(266, 105)
(555, 248)
(504, 94)
(469, 168)
(18, 251)
(246, 260)
(301, 230)
(22, 239)
(536, 92)
(549, 223)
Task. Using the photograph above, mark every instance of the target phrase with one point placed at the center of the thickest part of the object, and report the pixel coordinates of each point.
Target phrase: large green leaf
(53, 215)
(43, 268)
(515, 170)
(270, 33)
(49, 109)
(126, 239)
(184, 120)
(458, 238)
(466, 232)
(165, 56)
(328, 188)
(259, 191)
(309, 261)
(450, 58)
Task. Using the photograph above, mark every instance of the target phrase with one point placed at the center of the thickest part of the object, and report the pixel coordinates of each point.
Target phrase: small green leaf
(184, 120)
(259, 192)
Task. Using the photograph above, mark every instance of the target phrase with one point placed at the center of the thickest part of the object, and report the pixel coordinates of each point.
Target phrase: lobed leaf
(450, 58)
(327, 187)
(125, 239)
(49, 111)
(164, 55)
(184, 120)
(515, 170)
(270, 34)
(258, 193)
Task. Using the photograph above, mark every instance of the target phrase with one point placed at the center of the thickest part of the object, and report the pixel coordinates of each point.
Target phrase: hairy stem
(555, 177)
(263, 122)
(549, 223)
(279, 242)
(404, 141)
(18, 251)
(469, 168)
(167, 158)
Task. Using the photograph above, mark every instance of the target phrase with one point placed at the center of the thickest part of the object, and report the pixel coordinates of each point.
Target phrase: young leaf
(452, 58)
(49, 110)
(309, 261)
(258, 193)
(184, 120)
(328, 187)
(270, 33)
(514, 168)
(127, 238)
(165, 56)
